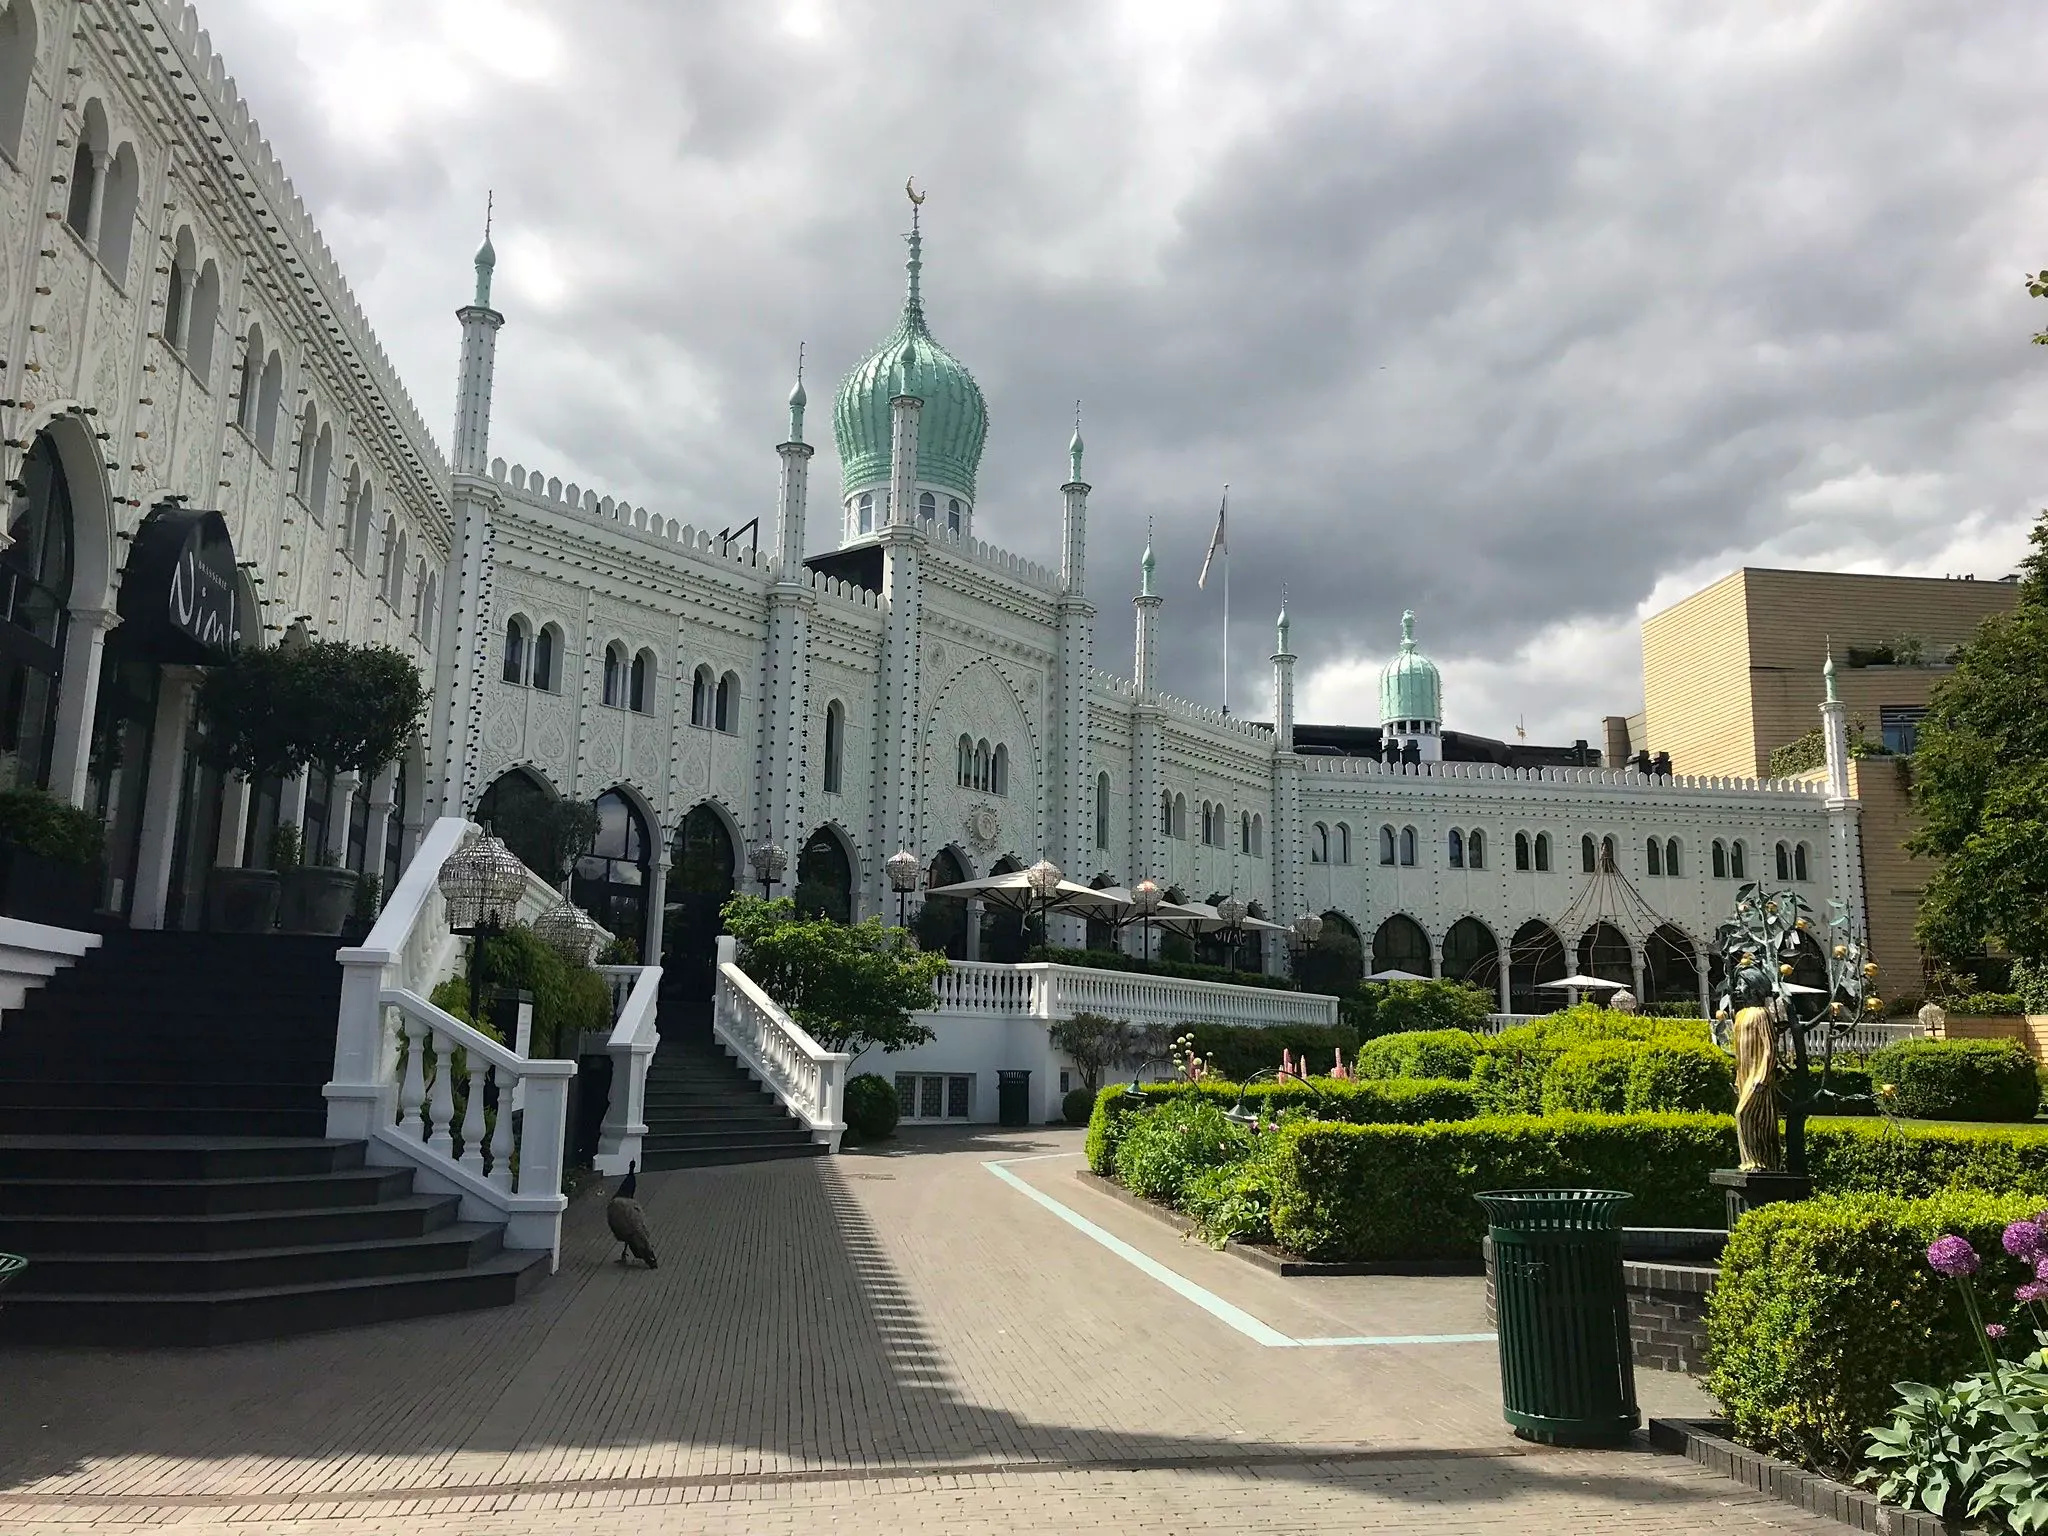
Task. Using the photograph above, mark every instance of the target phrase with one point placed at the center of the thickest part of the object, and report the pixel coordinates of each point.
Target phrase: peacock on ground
(628, 1222)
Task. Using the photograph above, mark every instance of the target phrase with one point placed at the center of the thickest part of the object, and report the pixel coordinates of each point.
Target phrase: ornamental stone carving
(984, 827)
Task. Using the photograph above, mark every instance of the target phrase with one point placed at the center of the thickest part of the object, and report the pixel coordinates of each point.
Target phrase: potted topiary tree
(251, 703)
(49, 859)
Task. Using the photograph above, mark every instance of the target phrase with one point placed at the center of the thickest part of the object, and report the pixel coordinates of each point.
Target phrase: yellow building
(1733, 673)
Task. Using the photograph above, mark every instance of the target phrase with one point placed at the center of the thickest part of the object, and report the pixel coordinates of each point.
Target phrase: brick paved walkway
(876, 1343)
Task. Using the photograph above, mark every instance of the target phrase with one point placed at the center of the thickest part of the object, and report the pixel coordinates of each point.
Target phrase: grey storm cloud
(1529, 318)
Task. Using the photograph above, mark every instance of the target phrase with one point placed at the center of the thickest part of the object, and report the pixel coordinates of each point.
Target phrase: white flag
(1217, 543)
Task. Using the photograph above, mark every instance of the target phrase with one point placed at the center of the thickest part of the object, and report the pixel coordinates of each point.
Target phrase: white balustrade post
(412, 1093)
(500, 1176)
(440, 1137)
(473, 1120)
(359, 1094)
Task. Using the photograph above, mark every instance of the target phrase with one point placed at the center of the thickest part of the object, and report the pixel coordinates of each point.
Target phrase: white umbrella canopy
(1200, 917)
(1585, 983)
(1014, 891)
(1394, 975)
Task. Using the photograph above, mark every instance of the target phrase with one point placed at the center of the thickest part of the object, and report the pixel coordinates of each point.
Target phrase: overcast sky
(1533, 317)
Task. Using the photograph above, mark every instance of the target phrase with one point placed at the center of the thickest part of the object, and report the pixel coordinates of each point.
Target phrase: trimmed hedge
(1078, 1106)
(1959, 1079)
(1511, 1066)
(1360, 1103)
(1822, 1305)
(1435, 1053)
(1390, 1007)
(1638, 1077)
(1406, 1191)
(871, 1107)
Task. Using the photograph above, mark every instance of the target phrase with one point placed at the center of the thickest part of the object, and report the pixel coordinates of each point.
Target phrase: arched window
(547, 650)
(430, 606)
(201, 323)
(1522, 851)
(1542, 853)
(1319, 844)
(1736, 859)
(386, 547)
(967, 762)
(952, 514)
(252, 379)
(984, 765)
(319, 471)
(419, 601)
(1180, 817)
(515, 649)
(703, 697)
(1165, 814)
(614, 674)
(835, 745)
(1720, 858)
(1475, 849)
(1608, 861)
(1341, 847)
(1401, 945)
(117, 213)
(1244, 831)
(1671, 857)
(999, 770)
(17, 63)
(1457, 849)
(1653, 855)
(35, 575)
(1799, 862)
(1258, 836)
(639, 683)
(729, 703)
(1784, 862)
(927, 505)
(395, 595)
(269, 390)
(1102, 810)
(1408, 846)
(86, 161)
(178, 295)
(866, 505)
(1589, 858)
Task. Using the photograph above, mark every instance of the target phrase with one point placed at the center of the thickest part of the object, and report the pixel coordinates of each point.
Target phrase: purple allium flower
(1953, 1256)
(2041, 1267)
(2023, 1239)
(2033, 1290)
(1994, 1330)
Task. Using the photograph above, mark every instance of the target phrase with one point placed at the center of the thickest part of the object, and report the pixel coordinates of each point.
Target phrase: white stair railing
(384, 1034)
(808, 1079)
(631, 1048)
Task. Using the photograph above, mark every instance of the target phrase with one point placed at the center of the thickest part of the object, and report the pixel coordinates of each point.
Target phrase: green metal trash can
(1566, 1373)
(1013, 1098)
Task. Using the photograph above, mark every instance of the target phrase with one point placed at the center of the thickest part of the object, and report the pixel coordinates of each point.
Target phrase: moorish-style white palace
(185, 369)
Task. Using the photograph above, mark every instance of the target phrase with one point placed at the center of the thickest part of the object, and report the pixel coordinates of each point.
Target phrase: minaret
(1845, 814)
(1148, 751)
(783, 769)
(463, 643)
(1147, 603)
(1287, 844)
(1283, 685)
(1074, 809)
(895, 820)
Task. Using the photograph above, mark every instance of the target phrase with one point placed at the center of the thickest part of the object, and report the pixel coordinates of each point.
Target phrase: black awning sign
(178, 590)
(202, 595)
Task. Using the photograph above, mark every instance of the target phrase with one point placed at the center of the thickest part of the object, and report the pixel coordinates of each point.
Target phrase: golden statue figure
(1756, 1091)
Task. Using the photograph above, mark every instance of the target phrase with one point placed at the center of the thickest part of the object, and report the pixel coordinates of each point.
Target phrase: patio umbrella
(1395, 975)
(1200, 917)
(1586, 983)
(1014, 892)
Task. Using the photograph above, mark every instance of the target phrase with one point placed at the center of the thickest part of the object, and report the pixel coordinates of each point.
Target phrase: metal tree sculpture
(1786, 1032)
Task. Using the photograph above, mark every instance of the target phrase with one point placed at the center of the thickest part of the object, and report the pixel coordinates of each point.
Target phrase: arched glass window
(386, 547)
(547, 646)
(1671, 857)
(1475, 849)
(1522, 851)
(1542, 853)
(999, 771)
(400, 562)
(614, 674)
(1165, 814)
(201, 323)
(1386, 845)
(1720, 858)
(1319, 844)
(1244, 831)
(1799, 862)
(835, 745)
(952, 514)
(1258, 837)
(430, 607)
(703, 693)
(178, 291)
(117, 213)
(360, 550)
(35, 593)
(1784, 862)
(269, 390)
(1608, 860)
(1737, 857)
(866, 505)
(1653, 856)
(927, 505)
(984, 765)
(85, 172)
(611, 878)
(515, 649)
(1180, 817)
(1408, 845)
(322, 473)
(1589, 857)
(17, 63)
(1342, 848)
(1457, 849)
(637, 683)
(729, 703)
(1102, 810)
(252, 379)
(966, 762)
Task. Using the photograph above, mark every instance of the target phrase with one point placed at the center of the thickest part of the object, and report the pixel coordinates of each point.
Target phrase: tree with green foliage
(851, 985)
(1980, 783)
(1094, 1044)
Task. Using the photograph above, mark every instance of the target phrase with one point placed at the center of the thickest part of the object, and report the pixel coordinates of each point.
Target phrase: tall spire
(798, 399)
(1074, 446)
(913, 298)
(486, 258)
(1147, 565)
(1827, 673)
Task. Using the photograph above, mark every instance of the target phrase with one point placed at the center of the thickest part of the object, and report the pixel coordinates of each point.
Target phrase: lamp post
(769, 859)
(1145, 899)
(1233, 912)
(903, 873)
(481, 883)
(1044, 878)
(1301, 938)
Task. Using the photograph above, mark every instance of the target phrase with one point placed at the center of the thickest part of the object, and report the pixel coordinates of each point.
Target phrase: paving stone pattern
(894, 1342)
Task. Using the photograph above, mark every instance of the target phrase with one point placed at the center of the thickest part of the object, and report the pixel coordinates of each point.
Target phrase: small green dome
(1410, 686)
(952, 426)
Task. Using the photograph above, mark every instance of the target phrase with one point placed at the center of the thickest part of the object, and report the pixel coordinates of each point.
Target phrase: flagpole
(1226, 628)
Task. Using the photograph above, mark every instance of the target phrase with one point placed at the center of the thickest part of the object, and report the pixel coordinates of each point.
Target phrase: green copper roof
(1410, 687)
(951, 428)
(486, 263)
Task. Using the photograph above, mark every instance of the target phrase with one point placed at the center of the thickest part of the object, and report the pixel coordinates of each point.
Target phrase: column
(159, 835)
(382, 792)
(78, 691)
(657, 899)
(340, 812)
(100, 161)
(235, 796)
(1507, 983)
(291, 802)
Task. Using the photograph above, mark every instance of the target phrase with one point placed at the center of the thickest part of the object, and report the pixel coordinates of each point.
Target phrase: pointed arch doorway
(700, 878)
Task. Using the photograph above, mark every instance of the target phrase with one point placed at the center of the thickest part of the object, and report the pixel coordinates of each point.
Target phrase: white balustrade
(631, 1048)
(1047, 991)
(809, 1080)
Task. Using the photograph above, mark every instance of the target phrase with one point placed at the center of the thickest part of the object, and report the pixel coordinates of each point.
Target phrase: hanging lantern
(1145, 897)
(570, 932)
(903, 871)
(481, 882)
(1044, 878)
(1308, 928)
(1232, 911)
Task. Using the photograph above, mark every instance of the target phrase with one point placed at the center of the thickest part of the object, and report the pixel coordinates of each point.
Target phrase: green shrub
(1160, 1151)
(1361, 1103)
(39, 823)
(1235, 1201)
(872, 1108)
(1078, 1106)
(2030, 984)
(1237, 1051)
(566, 998)
(1639, 1077)
(1393, 1006)
(1916, 1160)
(1822, 1305)
(1959, 1079)
(1985, 1005)
(1420, 1053)
(1512, 1065)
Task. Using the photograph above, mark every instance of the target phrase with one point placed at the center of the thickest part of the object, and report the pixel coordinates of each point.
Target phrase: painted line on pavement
(1234, 1316)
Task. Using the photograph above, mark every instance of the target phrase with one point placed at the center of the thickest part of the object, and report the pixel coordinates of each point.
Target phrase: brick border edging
(1700, 1440)
(1272, 1260)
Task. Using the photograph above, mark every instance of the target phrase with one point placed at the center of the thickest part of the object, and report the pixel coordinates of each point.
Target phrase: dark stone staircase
(163, 1167)
(702, 1106)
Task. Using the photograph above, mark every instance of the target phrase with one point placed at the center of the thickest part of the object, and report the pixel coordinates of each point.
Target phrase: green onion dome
(1410, 686)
